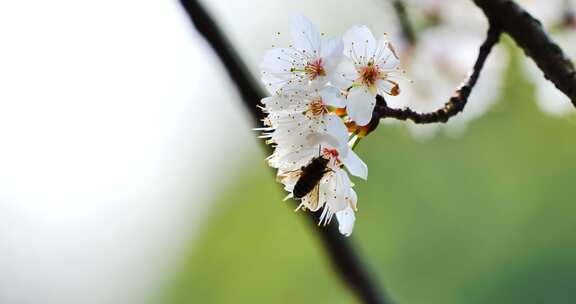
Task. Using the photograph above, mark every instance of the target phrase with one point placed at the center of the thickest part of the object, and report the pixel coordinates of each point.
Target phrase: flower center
(332, 154)
(317, 108)
(315, 69)
(369, 74)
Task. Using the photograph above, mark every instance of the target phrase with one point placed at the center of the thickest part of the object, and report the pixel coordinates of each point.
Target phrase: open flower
(372, 69)
(334, 191)
(334, 140)
(294, 117)
(310, 60)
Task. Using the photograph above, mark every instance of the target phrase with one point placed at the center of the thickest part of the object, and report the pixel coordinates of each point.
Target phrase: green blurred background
(484, 218)
(130, 174)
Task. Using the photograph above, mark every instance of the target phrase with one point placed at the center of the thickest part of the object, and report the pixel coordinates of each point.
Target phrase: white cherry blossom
(297, 145)
(309, 61)
(295, 116)
(370, 70)
(334, 140)
(334, 191)
(437, 70)
(311, 82)
(333, 194)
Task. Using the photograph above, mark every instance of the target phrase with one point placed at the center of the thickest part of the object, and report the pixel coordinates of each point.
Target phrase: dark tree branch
(456, 103)
(404, 21)
(503, 15)
(248, 87)
(531, 37)
(343, 256)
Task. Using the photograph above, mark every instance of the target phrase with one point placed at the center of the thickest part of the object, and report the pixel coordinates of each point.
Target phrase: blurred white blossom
(443, 58)
(559, 18)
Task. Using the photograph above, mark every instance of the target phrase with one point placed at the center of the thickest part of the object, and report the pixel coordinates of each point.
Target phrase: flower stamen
(315, 69)
(369, 74)
(332, 154)
(316, 108)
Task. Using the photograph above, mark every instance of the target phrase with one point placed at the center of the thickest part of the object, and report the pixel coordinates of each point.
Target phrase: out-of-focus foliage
(485, 218)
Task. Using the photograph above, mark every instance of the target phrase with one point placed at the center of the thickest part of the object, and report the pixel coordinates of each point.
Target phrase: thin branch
(405, 24)
(344, 258)
(531, 37)
(456, 103)
(247, 86)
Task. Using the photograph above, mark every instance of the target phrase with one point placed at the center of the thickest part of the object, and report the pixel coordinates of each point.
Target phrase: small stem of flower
(354, 142)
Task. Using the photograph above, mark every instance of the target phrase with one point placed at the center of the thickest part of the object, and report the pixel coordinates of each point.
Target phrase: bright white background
(112, 114)
(117, 128)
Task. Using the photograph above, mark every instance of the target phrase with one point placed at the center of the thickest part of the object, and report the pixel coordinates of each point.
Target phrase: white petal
(331, 53)
(276, 70)
(331, 132)
(323, 139)
(305, 35)
(277, 60)
(359, 44)
(335, 194)
(346, 219)
(387, 86)
(288, 122)
(277, 103)
(344, 75)
(291, 160)
(360, 104)
(333, 96)
(272, 83)
(385, 56)
(331, 192)
(266, 100)
(337, 129)
(354, 164)
(353, 201)
(341, 191)
(346, 183)
(324, 189)
(332, 47)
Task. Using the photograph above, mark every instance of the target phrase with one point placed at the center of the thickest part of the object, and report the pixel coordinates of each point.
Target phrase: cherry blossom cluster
(323, 93)
(447, 39)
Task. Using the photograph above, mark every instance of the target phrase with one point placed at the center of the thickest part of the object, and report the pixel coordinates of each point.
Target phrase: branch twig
(456, 103)
(404, 21)
(249, 89)
(503, 15)
(531, 37)
(343, 256)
